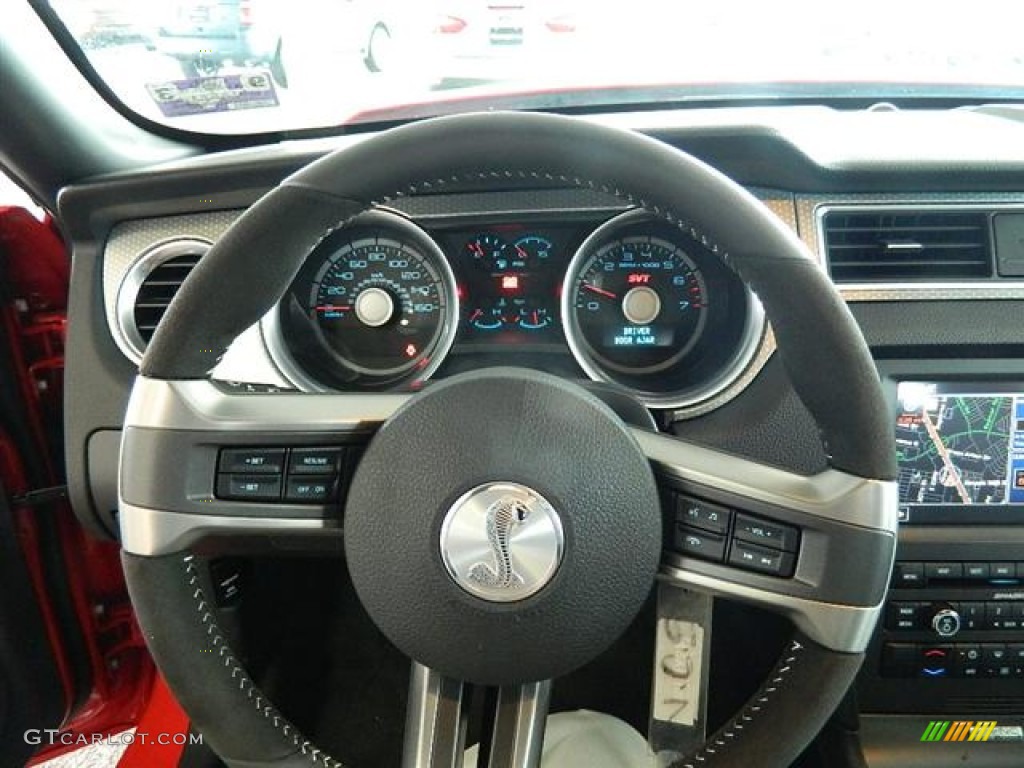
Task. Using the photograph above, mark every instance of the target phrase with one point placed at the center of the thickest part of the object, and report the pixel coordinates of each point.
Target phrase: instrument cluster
(385, 303)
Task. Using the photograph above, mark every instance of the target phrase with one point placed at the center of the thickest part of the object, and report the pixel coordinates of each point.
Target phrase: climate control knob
(946, 622)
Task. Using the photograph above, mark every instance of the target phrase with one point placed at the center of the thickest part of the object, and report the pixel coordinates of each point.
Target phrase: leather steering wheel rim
(818, 341)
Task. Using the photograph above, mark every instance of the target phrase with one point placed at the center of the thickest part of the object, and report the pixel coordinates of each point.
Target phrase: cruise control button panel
(296, 475)
(711, 531)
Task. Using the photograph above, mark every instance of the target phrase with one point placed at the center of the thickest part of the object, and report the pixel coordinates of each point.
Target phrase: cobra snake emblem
(503, 517)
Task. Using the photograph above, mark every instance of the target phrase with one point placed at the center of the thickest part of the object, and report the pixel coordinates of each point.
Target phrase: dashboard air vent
(150, 286)
(869, 245)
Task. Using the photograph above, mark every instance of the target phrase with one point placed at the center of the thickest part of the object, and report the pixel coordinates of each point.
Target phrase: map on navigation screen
(959, 447)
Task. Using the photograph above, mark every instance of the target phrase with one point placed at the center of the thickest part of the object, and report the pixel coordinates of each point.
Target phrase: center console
(951, 639)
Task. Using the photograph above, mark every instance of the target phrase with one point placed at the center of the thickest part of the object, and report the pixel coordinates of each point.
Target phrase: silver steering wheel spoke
(438, 715)
(184, 487)
(817, 549)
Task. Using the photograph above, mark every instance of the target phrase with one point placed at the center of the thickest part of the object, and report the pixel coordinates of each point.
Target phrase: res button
(314, 461)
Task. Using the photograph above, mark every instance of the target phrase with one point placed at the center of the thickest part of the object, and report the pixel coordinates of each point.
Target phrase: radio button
(972, 615)
(944, 571)
(1003, 571)
(908, 575)
(976, 571)
(1000, 616)
(904, 616)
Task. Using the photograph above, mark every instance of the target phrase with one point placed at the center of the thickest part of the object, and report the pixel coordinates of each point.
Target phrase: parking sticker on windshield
(217, 93)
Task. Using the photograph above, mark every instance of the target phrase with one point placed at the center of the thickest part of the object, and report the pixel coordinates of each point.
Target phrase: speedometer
(374, 307)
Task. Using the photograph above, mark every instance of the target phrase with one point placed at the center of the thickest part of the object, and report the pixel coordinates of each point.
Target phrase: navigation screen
(960, 449)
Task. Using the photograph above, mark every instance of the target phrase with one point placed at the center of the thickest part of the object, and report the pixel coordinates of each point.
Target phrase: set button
(264, 461)
(249, 487)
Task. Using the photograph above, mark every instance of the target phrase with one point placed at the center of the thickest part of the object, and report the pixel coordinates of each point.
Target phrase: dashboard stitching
(731, 731)
(269, 711)
(661, 212)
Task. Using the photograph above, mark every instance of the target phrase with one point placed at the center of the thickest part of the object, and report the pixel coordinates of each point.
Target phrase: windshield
(252, 66)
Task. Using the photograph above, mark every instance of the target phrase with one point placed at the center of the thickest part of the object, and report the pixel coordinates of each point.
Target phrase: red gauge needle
(332, 308)
(599, 291)
(476, 313)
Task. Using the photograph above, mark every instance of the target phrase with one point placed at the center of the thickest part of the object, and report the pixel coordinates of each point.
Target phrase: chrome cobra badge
(502, 542)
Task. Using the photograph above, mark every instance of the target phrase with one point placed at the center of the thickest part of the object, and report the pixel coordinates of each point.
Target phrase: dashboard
(573, 282)
(383, 302)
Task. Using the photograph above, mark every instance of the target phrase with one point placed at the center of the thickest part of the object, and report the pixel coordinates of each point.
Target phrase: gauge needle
(476, 313)
(599, 291)
(332, 308)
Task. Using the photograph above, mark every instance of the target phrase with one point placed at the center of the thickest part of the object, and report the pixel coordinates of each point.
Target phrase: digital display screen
(960, 449)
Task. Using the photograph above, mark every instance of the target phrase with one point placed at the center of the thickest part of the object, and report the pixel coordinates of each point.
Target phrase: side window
(12, 194)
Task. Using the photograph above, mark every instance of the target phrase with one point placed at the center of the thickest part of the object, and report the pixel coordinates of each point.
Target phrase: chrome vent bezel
(128, 337)
(983, 212)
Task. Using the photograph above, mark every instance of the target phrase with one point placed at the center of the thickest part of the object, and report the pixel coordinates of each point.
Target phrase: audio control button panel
(711, 531)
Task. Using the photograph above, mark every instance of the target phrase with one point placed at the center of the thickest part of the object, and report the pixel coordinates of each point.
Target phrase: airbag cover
(503, 425)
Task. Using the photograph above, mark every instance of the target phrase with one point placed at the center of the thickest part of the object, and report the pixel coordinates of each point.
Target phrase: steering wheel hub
(502, 542)
(453, 539)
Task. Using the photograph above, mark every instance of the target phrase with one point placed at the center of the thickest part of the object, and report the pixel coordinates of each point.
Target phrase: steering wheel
(503, 509)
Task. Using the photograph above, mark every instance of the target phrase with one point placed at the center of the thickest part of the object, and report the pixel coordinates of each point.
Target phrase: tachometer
(377, 308)
(640, 304)
(646, 306)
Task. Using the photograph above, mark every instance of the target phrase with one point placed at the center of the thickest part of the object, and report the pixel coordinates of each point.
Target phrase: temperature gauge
(534, 318)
